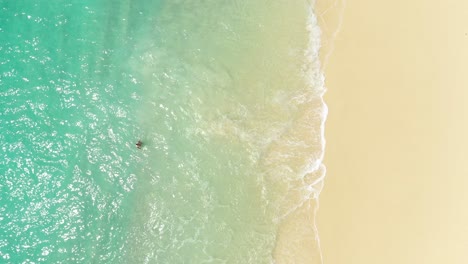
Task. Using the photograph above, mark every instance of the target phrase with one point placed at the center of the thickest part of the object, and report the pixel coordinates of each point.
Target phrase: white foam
(313, 70)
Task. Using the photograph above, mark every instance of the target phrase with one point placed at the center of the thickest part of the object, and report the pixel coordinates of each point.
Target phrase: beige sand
(396, 189)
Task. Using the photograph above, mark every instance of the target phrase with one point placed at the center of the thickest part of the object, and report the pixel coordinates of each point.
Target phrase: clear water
(225, 96)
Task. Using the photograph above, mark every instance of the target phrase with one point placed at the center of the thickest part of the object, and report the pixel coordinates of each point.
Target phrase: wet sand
(397, 179)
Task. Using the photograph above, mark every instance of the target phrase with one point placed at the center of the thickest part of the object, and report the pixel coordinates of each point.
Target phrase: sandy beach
(395, 190)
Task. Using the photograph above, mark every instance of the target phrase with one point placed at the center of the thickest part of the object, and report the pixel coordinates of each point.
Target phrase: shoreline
(298, 238)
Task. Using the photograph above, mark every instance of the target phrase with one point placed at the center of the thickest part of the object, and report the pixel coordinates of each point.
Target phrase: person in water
(139, 144)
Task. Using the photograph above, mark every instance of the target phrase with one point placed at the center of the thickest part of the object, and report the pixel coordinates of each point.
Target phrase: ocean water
(226, 97)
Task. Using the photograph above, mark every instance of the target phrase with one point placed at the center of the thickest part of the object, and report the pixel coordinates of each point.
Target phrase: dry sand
(396, 189)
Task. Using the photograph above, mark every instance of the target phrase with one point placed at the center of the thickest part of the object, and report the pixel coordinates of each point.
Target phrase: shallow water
(225, 96)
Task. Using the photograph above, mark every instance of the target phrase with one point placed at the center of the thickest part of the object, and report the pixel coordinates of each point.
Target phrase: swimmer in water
(139, 144)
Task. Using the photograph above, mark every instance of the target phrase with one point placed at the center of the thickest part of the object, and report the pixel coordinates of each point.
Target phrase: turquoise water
(225, 96)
